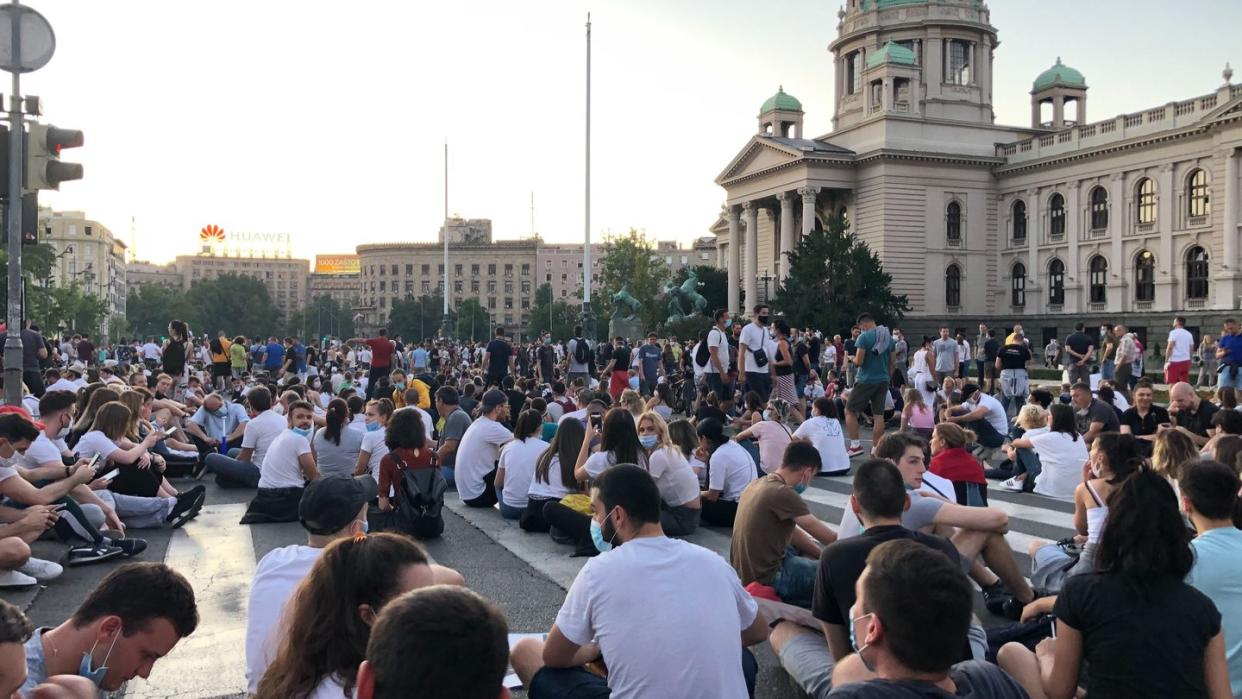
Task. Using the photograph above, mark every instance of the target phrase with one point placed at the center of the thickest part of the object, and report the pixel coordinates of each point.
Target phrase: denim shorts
(795, 579)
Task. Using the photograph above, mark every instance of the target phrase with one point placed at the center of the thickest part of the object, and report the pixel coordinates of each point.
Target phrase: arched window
(1145, 202)
(1098, 282)
(1099, 208)
(953, 286)
(1017, 285)
(953, 221)
(1196, 273)
(1144, 276)
(1019, 220)
(1056, 215)
(1197, 194)
(1056, 282)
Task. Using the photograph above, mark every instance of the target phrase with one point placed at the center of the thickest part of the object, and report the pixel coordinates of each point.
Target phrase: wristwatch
(67, 471)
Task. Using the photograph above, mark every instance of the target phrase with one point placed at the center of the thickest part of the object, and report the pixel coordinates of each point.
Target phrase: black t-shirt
(705, 411)
(32, 342)
(1140, 425)
(621, 358)
(1140, 638)
(546, 358)
(974, 679)
(1097, 411)
(990, 349)
(1079, 342)
(1014, 356)
(842, 562)
(1198, 422)
(498, 353)
(814, 349)
(799, 367)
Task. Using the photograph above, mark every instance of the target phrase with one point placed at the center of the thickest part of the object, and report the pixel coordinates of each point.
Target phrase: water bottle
(224, 445)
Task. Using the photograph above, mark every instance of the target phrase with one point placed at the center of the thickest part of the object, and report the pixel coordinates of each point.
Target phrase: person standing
(381, 351)
(1011, 362)
(946, 355)
(1079, 350)
(34, 349)
(1052, 353)
(649, 356)
(1177, 353)
(498, 359)
(851, 369)
(716, 371)
(579, 357)
(981, 362)
(1207, 363)
(273, 356)
(1108, 362)
(1127, 357)
(86, 351)
(901, 354)
(752, 348)
(874, 359)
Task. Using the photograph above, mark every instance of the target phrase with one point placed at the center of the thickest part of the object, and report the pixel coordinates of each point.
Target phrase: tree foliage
(834, 276)
(418, 318)
(51, 307)
(149, 307)
(324, 316)
(551, 314)
(471, 321)
(630, 260)
(235, 304)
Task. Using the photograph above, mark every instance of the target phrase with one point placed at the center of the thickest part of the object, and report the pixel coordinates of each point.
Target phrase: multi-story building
(86, 254)
(285, 278)
(561, 267)
(1134, 217)
(701, 252)
(141, 273)
(337, 277)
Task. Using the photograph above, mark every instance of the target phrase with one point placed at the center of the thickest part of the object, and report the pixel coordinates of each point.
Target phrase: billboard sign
(337, 264)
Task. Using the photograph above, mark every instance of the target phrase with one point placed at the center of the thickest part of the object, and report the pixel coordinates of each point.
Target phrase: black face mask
(763, 320)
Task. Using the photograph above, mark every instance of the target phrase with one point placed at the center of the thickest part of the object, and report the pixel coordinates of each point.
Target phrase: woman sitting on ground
(1172, 450)
(516, 466)
(1052, 460)
(336, 447)
(554, 475)
(683, 436)
(917, 415)
(1138, 627)
(771, 433)
(751, 413)
(373, 448)
(680, 507)
(952, 461)
(661, 402)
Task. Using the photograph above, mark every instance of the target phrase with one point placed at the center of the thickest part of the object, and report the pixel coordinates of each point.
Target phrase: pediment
(1231, 109)
(757, 156)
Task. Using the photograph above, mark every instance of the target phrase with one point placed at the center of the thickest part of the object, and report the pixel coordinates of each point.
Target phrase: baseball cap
(493, 398)
(329, 504)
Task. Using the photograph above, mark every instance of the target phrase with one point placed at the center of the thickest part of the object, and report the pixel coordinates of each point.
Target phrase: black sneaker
(995, 596)
(84, 555)
(130, 547)
(187, 507)
(1011, 609)
(199, 470)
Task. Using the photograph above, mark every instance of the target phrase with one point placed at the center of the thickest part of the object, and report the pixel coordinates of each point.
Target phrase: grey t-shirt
(946, 354)
(455, 425)
(337, 459)
(921, 514)
(975, 679)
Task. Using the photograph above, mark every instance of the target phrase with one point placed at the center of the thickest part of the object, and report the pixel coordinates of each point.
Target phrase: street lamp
(765, 278)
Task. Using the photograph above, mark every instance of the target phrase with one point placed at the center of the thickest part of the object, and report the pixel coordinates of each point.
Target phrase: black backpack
(582, 351)
(420, 499)
(703, 355)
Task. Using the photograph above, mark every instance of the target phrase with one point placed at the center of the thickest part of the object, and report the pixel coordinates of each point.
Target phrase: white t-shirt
(151, 351)
(1183, 342)
(1060, 464)
(373, 443)
(694, 362)
(576, 367)
(280, 467)
(477, 454)
(754, 336)
(518, 459)
(96, 442)
(554, 488)
(825, 433)
(275, 578)
(43, 451)
(996, 413)
(62, 384)
(673, 476)
(716, 338)
(261, 431)
(694, 612)
(730, 470)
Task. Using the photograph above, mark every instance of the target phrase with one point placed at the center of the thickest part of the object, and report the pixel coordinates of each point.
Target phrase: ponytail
(337, 417)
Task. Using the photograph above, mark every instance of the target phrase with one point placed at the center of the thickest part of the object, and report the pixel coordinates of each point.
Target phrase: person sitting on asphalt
(776, 540)
(729, 470)
(951, 461)
(770, 433)
(1053, 466)
(982, 414)
(335, 447)
(15, 630)
(681, 507)
(435, 642)
(977, 532)
(911, 650)
(324, 632)
(257, 437)
(373, 448)
(479, 450)
(136, 615)
(331, 509)
(287, 467)
(878, 500)
(696, 623)
(823, 429)
(515, 468)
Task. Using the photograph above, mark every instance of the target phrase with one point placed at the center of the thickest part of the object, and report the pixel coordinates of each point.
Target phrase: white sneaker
(13, 578)
(1013, 485)
(42, 570)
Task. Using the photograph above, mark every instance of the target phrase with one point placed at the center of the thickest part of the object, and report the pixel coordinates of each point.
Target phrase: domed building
(1135, 215)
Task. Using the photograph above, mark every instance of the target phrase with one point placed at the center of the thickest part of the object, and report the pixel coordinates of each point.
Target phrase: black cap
(329, 504)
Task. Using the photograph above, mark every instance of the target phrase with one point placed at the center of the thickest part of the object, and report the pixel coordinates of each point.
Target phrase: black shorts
(867, 394)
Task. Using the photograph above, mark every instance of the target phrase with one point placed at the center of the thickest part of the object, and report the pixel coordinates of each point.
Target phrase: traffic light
(30, 219)
(44, 169)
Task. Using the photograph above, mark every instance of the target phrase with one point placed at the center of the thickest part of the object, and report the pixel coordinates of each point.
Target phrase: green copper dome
(782, 101)
(1060, 74)
(892, 52)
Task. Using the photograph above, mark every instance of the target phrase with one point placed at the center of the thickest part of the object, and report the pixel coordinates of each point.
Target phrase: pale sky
(327, 120)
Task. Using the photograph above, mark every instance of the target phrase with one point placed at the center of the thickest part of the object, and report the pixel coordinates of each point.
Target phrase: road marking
(216, 555)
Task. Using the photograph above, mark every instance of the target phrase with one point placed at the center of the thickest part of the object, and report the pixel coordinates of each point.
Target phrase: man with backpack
(579, 358)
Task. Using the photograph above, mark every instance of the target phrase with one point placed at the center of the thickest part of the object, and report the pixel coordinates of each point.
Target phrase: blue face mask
(799, 487)
(366, 526)
(373, 426)
(767, 415)
(97, 675)
(301, 431)
(399, 386)
(597, 537)
(648, 441)
(729, 323)
(854, 642)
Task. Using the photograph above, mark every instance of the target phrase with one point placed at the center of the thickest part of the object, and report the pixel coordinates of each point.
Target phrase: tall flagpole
(446, 323)
(588, 318)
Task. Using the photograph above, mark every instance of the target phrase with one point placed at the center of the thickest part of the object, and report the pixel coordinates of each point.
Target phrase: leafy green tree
(149, 307)
(714, 285)
(552, 314)
(324, 316)
(416, 318)
(37, 263)
(834, 276)
(235, 304)
(630, 260)
(471, 321)
(67, 307)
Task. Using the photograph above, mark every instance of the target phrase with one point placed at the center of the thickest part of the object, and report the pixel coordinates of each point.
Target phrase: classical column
(1227, 290)
(735, 259)
(1073, 226)
(720, 253)
(1118, 215)
(1058, 111)
(751, 272)
(808, 208)
(1034, 231)
(1168, 269)
(787, 231)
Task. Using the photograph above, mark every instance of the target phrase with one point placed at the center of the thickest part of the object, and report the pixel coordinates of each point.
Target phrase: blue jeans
(1228, 376)
(505, 510)
(1107, 369)
(578, 683)
(795, 580)
(1027, 461)
(448, 472)
(232, 473)
(986, 434)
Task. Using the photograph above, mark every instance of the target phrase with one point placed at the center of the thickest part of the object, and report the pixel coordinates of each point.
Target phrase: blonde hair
(661, 430)
(780, 409)
(953, 435)
(134, 401)
(913, 397)
(632, 402)
(1031, 416)
(1171, 452)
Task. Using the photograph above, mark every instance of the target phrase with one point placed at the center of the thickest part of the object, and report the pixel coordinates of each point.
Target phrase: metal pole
(13, 341)
(588, 319)
(447, 321)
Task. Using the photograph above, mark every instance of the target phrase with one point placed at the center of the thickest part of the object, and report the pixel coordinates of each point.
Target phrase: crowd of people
(618, 450)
